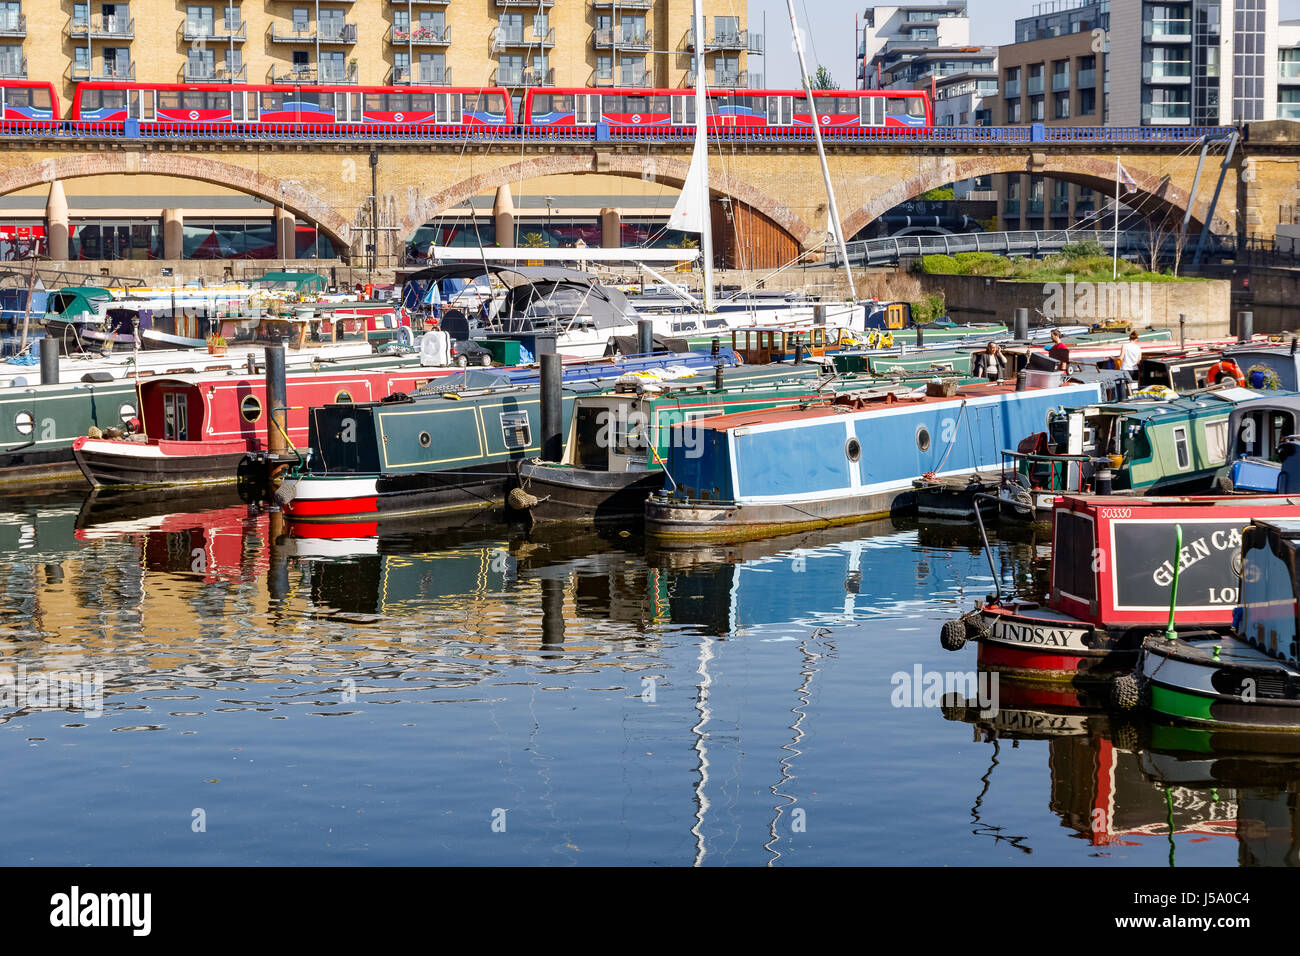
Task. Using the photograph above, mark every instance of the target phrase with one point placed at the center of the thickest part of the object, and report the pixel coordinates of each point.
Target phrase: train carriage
(749, 109)
(307, 105)
(27, 100)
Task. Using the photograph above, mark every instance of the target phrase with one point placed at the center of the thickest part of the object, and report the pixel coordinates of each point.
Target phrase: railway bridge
(326, 175)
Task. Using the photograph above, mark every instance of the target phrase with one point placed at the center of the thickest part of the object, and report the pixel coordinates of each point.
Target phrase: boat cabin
(762, 346)
(1183, 372)
(1268, 368)
(1113, 561)
(890, 316)
(1257, 440)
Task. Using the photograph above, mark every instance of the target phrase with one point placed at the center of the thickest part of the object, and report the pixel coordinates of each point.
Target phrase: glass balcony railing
(1087, 79)
(1035, 85)
(1167, 71)
(1011, 88)
(1288, 111)
(1060, 82)
(1167, 29)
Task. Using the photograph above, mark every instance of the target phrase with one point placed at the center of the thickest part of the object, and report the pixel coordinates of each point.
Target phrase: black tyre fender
(953, 634)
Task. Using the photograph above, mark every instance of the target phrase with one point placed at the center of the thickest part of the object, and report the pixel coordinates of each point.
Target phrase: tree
(534, 240)
(822, 79)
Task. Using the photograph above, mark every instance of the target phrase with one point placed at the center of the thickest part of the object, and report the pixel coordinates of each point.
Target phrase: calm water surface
(469, 697)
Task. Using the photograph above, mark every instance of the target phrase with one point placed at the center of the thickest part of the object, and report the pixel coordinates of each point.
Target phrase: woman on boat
(990, 364)
(1059, 350)
(1130, 355)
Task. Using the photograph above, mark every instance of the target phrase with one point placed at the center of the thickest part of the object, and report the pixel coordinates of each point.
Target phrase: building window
(11, 60)
(201, 64)
(1087, 102)
(332, 65)
(433, 68)
(604, 68)
(401, 23)
(1036, 110)
(1013, 111)
(726, 29)
(200, 21)
(726, 71)
(632, 71)
(80, 14)
(1061, 105)
(632, 29)
(541, 25)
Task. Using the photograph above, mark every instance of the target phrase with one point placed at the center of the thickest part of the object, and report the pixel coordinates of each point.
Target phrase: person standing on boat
(1059, 350)
(990, 364)
(1130, 355)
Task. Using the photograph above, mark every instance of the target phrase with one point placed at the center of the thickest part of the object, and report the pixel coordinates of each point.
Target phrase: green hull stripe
(1178, 704)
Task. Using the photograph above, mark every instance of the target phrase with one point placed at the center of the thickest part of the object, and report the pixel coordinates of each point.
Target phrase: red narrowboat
(1111, 581)
(197, 428)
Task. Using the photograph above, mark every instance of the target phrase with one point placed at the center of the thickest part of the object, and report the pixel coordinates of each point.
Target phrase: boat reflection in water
(1119, 784)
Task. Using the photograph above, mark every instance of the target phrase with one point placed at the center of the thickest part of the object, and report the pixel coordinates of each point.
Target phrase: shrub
(940, 265)
(928, 308)
(1087, 249)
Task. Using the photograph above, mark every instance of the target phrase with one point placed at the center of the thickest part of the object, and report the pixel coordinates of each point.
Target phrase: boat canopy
(1272, 418)
(76, 300)
(292, 282)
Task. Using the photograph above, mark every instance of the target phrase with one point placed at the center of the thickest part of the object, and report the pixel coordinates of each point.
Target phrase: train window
(273, 102)
(169, 99)
(659, 104)
(748, 105)
(449, 108)
(873, 110)
(801, 106)
(313, 100)
(778, 110)
(588, 111)
(683, 113)
(913, 106)
(423, 102)
(493, 103)
(635, 104)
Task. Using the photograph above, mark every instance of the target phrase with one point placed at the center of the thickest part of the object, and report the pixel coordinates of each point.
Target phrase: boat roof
(1170, 501)
(1183, 404)
(1274, 401)
(851, 402)
(296, 279)
(523, 274)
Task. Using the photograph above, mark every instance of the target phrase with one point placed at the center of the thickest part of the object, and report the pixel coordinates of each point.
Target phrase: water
(469, 697)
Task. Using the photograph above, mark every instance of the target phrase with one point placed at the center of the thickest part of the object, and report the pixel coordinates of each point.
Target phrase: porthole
(853, 449)
(125, 413)
(250, 409)
(425, 439)
(344, 397)
(24, 422)
(922, 438)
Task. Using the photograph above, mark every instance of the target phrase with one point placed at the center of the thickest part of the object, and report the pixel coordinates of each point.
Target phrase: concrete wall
(1206, 303)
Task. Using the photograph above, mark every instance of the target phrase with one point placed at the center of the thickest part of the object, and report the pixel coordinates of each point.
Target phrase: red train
(419, 106)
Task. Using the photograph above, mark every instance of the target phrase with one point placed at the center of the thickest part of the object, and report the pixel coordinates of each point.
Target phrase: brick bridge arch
(657, 168)
(292, 196)
(1156, 193)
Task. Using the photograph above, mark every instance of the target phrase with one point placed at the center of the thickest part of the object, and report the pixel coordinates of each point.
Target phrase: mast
(836, 228)
(700, 158)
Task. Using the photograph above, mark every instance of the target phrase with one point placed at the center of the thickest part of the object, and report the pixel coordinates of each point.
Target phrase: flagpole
(1114, 262)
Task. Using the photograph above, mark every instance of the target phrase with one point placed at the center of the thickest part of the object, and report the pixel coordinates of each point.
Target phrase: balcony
(632, 42)
(534, 4)
(421, 36)
(223, 32)
(345, 33)
(503, 38)
(13, 68)
(735, 81)
(1288, 111)
(1011, 88)
(636, 81)
(1060, 82)
(13, 26)
(510, 76)
(1034, 85)
(1087, 79)
(440, 3)
(103, 28)
(311, 75)
(1034, 207)
(1011, 208)
(104, 73)
(745, 41)
(1167, 31)
(1172, 113)
(406, 76)
(201, 73)
(1288, 71)
(621, 4)
(1060, 206)
(1168, 71)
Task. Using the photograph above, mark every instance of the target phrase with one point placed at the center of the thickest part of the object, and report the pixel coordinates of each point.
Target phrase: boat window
(1216, 442)
(922, 438)
(630, 438)
(1181, 451)
(589, 426)
(24, 422)
(515, 431)
(125, 413)
(175, 417)
(853, 449)
(344, 397)
(250, 409)
(1073, 571)
(425, 439)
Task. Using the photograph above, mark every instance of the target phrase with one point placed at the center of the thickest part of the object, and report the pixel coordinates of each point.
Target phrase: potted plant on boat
(216, 345)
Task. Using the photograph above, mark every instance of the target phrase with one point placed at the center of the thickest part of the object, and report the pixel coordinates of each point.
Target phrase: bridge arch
(657, 168)
(1155, 191)
(292, 196)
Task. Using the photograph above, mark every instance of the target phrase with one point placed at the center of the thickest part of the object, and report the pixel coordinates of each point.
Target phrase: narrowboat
(616, 445)
(195, 429)
(1244, 680)
(1268, 367)
(768, 472)
(1146, 444)
(1111, 582)
(376, 461)
(1259, 438)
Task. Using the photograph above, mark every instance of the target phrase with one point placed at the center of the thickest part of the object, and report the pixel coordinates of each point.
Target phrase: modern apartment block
(889, 35)
(1196, 63)
(513, 43)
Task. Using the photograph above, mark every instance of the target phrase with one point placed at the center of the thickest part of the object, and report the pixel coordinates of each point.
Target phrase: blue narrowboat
(758, 473)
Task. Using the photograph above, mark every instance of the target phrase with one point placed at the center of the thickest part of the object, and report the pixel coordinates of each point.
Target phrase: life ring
(406, 336)
(1225, 367)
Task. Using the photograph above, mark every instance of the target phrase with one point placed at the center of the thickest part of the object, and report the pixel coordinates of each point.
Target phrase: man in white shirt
(1130, 355)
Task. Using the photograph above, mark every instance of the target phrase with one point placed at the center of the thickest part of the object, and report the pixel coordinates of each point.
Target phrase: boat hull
(584, 496)
(1240, 688)
(355, 499)
(671, 519)
(127, 464)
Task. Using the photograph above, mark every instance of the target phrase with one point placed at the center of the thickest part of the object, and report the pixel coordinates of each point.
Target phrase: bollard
(1182, 330)
(277, 400)
(719, 381)
(552, 442)
(1022, 381)
(920, 336)
(49, 360)
(645, 336)
(717, 347)
(798, 352)
(1245, 326)
(1021, 327)
(1105, 482)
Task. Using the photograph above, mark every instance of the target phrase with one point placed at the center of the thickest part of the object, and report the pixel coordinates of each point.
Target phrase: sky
(828, 25)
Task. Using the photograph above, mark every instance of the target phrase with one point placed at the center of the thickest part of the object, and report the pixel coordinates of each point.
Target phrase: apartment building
(888, 34)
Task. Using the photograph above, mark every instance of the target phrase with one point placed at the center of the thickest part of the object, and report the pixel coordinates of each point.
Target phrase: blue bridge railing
(1029, 243)
(134, 130)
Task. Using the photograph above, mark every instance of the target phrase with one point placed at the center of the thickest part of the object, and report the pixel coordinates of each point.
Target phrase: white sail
(689, 214)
